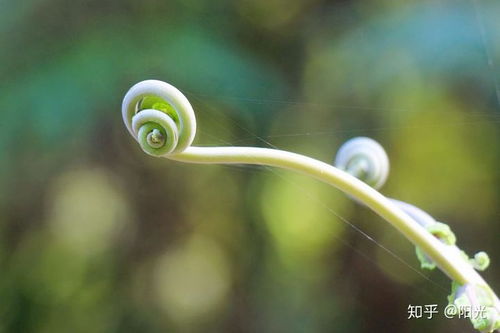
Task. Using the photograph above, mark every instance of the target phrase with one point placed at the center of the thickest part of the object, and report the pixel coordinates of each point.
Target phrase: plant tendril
(163, 122)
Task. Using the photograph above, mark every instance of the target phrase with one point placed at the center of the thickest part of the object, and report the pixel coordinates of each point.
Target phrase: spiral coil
(365, 159)
(159, 117)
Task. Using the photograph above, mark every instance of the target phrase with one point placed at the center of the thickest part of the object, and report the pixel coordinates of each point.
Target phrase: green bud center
(155, 138)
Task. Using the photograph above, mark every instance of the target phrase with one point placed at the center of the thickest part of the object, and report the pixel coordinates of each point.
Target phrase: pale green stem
(446, 257)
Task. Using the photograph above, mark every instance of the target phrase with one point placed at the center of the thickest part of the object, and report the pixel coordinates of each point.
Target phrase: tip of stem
(155, 138)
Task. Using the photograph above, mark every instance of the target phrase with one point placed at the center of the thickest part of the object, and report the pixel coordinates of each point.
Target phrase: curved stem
(162, 120)
(444, 256)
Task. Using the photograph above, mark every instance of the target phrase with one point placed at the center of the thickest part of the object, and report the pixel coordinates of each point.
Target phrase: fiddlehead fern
(365, 159)
(162, 120)
(159, 117)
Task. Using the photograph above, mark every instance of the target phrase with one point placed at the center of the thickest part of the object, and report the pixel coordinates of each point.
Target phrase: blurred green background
(95, 236)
